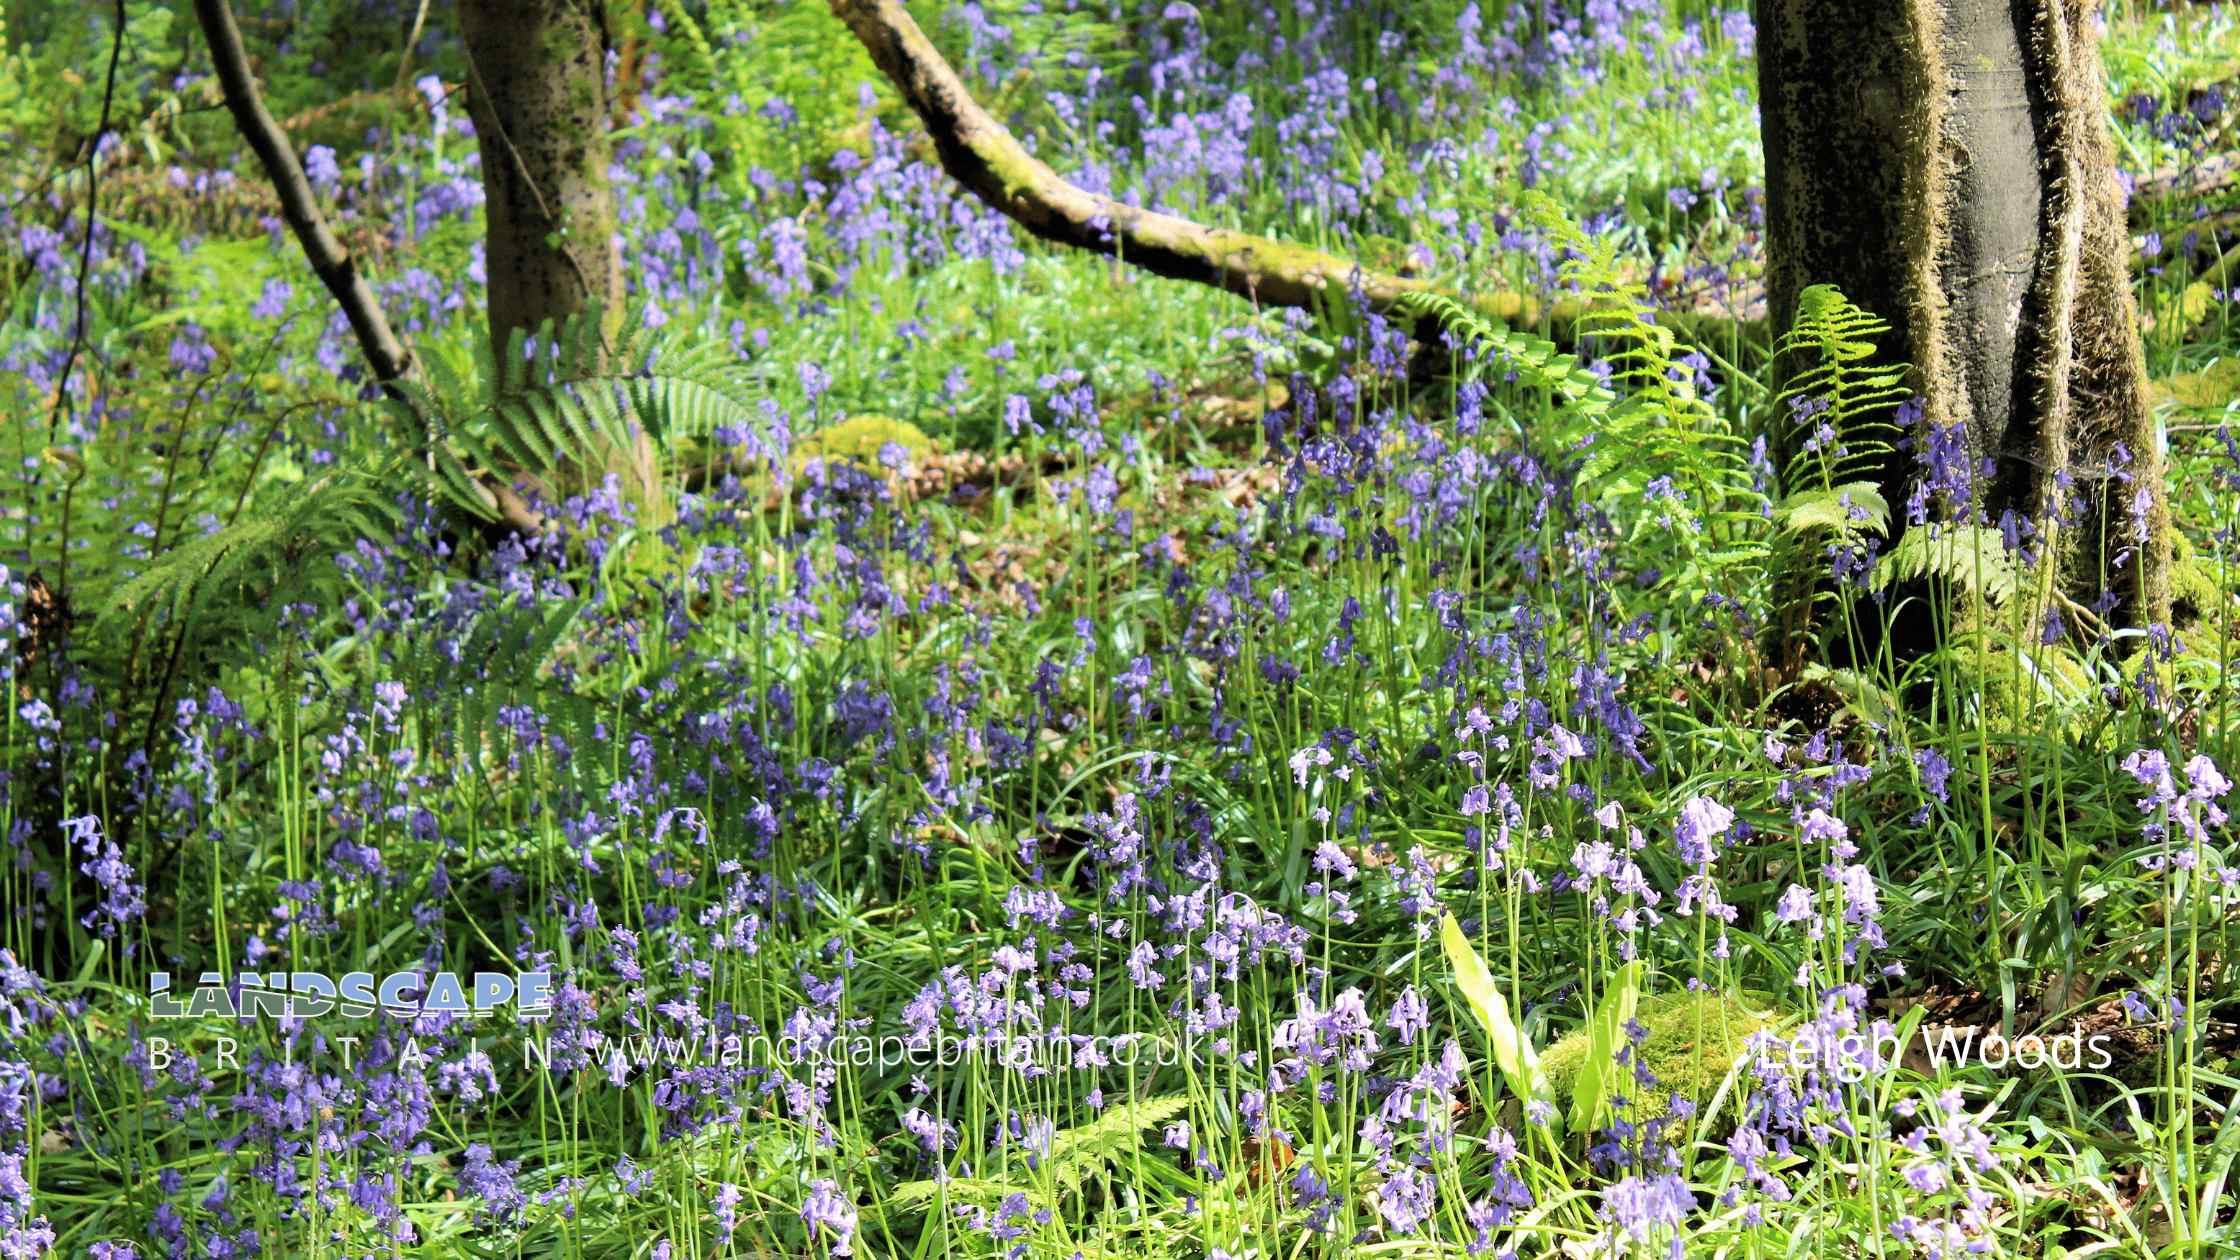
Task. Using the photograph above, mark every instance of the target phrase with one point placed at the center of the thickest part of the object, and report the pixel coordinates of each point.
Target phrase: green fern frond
(1847, 510)
(1831, 346)
(1115, 1132)
(1972, 557)
(980, 1190)
(1534, 359)
(557, 408)
(1075, 1155)
(259, 551)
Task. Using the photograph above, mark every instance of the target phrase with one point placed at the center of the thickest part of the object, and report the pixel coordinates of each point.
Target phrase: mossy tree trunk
(1948, 165)
(537, 86)
(537, 89)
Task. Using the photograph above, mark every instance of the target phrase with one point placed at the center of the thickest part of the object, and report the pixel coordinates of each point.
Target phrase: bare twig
(2210, 177)
(85, 250)
(411, 41)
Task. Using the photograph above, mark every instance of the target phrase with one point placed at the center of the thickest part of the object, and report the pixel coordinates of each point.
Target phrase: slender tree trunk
(1948, 165)
(537, 87)
(389, 358)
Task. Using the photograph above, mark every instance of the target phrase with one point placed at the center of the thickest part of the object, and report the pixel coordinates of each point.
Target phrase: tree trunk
(1948, 165)
(538, 91)
(537, 88)
(299, 205)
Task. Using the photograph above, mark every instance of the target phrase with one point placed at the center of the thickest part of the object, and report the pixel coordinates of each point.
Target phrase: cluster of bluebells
(2178, 821)
(698, 789)
(702, 785)
(29, 1016)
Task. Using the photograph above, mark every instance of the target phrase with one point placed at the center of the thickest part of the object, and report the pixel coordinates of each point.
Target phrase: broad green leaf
(1512, 1050)
(1598, 1074)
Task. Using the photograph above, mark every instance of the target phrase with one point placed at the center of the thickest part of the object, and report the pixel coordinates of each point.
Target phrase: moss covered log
(980, 153)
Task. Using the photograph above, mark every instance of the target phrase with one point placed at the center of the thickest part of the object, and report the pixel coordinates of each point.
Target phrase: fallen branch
(980, 153)
(384, 353)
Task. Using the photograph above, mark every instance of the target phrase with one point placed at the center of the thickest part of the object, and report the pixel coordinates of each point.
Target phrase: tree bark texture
(537, 89)
(1948, 165)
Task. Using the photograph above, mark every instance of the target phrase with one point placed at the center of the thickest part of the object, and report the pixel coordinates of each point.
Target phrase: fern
(918, 1194)
(1973, 558)
(1837, 400)
(1834, 376)
(1536, 360)
(1663, 422)
(1663, 466)
(1078, 1151)
(565, 415)
(1075, 1155)
(500, 661)
(263, 553)
(1847, 510)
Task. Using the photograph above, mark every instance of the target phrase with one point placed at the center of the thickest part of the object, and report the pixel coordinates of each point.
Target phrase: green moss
(1694, 1040)
(2207, 390)
(859, 439)
(2041, 689)
(2194, 592)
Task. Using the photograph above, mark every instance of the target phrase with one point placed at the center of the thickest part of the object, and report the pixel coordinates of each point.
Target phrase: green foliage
(806, 64)
(47, 49)
(1620, 321)
(831, 702)
(1846, 511)
(1512, 1048)
(1076, 1155)
(1833, 414)
(1535, 359)
(1667, 468)
(2026, 689)
(1972, 558)
(1695, 1040)
(1598, 1078)
(573, 411)
(1834, 380)
(284, 548)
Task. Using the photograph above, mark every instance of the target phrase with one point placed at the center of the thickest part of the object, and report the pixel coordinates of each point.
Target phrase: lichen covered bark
(537, 90)
(1947, 163)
